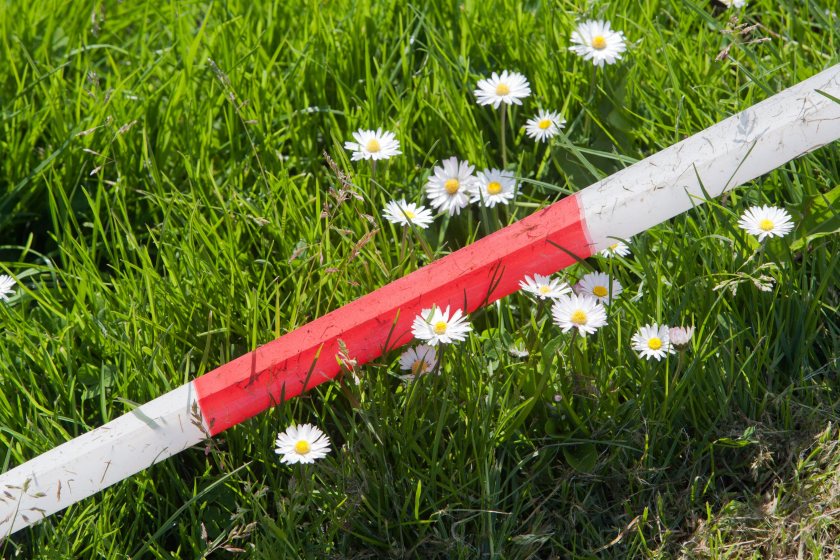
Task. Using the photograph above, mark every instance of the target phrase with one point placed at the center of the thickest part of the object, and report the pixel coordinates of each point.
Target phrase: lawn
(175, 192)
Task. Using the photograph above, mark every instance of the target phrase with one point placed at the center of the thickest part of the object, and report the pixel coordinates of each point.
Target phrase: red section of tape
(472, 277)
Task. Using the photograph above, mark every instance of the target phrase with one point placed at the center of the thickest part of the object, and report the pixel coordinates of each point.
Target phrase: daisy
(594, 40)
(508, 88)
(405, 213)
(302, 444)
(544, 126)
(518, 350)
(544, 286)
(619, 248)
(434, 326)
(373, 145)
(7, 286)
(449, 186)
(766, 221)
(494, 186)
(653, 341)
(419, 361)
(581, 312)
(598, 285)
(680, 337)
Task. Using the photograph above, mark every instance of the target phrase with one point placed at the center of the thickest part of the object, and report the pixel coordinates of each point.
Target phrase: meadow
(175, 191)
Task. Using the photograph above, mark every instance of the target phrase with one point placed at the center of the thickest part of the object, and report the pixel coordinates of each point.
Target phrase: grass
(165, 206)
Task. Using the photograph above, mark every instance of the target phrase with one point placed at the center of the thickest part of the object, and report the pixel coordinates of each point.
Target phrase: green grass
(163, 183)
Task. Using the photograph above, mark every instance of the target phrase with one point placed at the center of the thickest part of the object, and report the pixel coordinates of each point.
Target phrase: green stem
(439, 365)
(672, 381)
(584, 357)
(573, 415)
(497, 222)
(503, 108)
(535, 329)
(403, 245)
(424, 244)
(680, 367)
(541, 168)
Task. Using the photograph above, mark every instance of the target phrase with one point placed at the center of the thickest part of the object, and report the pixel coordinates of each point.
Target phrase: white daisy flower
(436, 326)
(302, 444)
(766, 221)
(598, 285)
(493, 187)
(373, 145)
(734, 3)
(653, 341)
(595, 41)
(508, 88)
(419, 361)
(544, 126)
(405, 213)
(518, 350)
(618, 248)
(680, 337)
(544, 286)
(449, 186)
(7, 286)
(581, 312)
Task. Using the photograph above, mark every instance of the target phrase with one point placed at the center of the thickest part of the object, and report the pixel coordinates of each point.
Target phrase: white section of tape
(93, 461)
(730, 153)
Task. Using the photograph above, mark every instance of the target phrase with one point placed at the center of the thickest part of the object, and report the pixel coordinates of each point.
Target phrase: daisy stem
(372, 169)
(680, 366)
(403, 244)
(485, 218)
(672, 381)
(535, 330)
(587, 123)
(584, 357)
(544, 161)
(423, 244)
(575, 418)
(503, 109)
(566, 400)
(439, 364)
(497, 223)
(761, 251)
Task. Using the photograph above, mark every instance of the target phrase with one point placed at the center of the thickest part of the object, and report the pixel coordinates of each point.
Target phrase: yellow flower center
(440, 327)
(545, 123)
(451, 186)
(502, 89)
(373, 146)
(766, 225)
(579, 317)
(599, 43)
(494, 187)
(613, 246)
(302, 447)
(419, 366)
(544, 289)
(655, 343)
(600, 291)
(408, 214)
